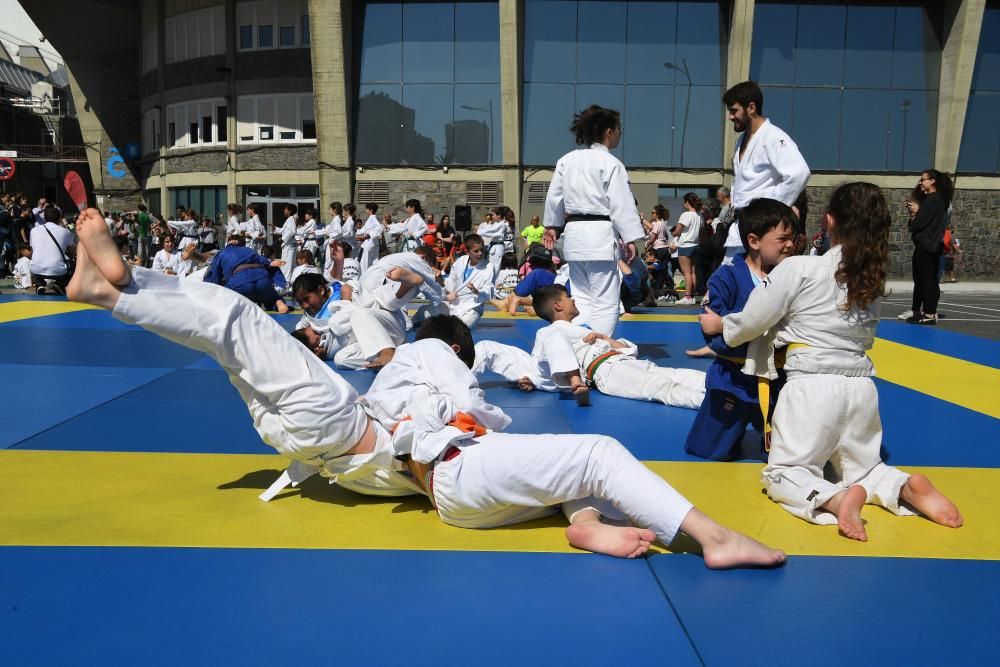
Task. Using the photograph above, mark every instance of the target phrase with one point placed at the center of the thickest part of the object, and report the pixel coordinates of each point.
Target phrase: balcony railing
(46, 152)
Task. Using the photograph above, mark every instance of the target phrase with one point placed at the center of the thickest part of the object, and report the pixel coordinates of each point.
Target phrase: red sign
(7, 168)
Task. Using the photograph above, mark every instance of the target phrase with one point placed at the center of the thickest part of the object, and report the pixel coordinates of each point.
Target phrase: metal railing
(47, 152)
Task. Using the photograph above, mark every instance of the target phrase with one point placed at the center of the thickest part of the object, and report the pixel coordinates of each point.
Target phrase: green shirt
(143, 224)
(532, 234)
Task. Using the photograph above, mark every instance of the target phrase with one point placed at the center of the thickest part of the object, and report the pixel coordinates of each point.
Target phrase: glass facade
(661, 64)
(429, 83)
(209, 202)
(980, 151)
(854, 84)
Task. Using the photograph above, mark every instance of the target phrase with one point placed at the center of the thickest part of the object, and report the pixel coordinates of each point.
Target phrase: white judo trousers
(835, 418)
(596, 289)
(298, 404)
(504, 478)
(628, 377)
(512, 363)
(374, 329)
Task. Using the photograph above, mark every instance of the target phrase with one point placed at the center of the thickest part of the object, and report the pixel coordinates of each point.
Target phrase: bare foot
(919, 492)
(582, 395)
(701, 353)
(847, 506)
(601, 538)
(89, 284)
(723, 548)
(382, 358)
(281, 306)
(101, 248)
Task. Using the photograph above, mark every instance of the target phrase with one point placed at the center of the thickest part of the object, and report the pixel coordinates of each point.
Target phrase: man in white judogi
(437, 435)
(468, 286)
(491, 231)
(289, 250)
(766, 163)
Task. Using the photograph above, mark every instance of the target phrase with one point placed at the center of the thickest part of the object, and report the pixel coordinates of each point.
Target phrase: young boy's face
(567, 307)
(775, 245)
(476, 252)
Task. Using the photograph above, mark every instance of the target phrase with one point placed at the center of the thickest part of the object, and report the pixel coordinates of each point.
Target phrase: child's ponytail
(862, 222)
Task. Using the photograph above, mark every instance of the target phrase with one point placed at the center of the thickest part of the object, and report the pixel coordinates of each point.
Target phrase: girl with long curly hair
(822, 312)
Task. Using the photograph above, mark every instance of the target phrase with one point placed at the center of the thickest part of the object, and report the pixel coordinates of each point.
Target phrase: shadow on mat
(652, 351)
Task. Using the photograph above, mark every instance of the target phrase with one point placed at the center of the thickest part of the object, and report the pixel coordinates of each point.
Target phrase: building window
(867, 74)
(429, 94)
(210, 202)
(980, 151)
(195, 34)
(202, 118)
(261, 17)
(222, 123)
(285, 118)
(661, 64)
(150, 139)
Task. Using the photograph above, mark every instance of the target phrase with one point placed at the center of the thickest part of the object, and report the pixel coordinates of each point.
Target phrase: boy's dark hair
(305, 255)
(300, 335)
(292, 209)
(142, 208)
(761, 216)
(543, 298)
(373, 207)
(452, 331)
(508, 261)
(346, 247)
(474, 238)
(52, 214)
(415, 205)
(427, 254)
(308, 282)
(350, 209)
(743, 94)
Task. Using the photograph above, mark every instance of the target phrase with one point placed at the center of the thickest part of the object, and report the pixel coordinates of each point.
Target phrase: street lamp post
(687, 102)
(488, 110)
(906, 110)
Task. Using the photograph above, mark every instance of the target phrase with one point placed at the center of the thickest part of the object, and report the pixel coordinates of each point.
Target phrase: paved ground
(969, 308)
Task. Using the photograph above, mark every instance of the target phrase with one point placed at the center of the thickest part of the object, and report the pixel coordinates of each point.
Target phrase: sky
(16, 28)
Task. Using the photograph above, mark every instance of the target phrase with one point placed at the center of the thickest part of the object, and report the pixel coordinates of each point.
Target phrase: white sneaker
(905, 315)
(686, 301)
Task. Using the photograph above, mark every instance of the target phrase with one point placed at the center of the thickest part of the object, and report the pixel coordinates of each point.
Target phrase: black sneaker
(914, 319)
(56, 288)
(928, 320)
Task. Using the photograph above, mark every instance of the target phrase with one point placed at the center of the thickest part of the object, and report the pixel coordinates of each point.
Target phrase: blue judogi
(254, 283)
(730, 395)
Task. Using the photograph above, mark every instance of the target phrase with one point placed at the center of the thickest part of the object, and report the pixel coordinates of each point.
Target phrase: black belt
(580, 217)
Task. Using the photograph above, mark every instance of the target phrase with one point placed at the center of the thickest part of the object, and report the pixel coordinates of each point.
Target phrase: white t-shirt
(505, 283)
(691, 222)
(46, 258)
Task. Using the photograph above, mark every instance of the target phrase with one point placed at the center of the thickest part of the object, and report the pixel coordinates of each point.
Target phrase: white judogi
(188, 230)
(412, 230)
(309, 237)
(302, 269)
(303, 409)
(22, 273)
(351, 270)
(255, 233)
(591, 181)
(369, 247)
(164, 260)
(347, 233)
(474, 287)
(772, 167)
(233, 226)
(492, 233)
(828, 409)
(288, 247)
(377, 321)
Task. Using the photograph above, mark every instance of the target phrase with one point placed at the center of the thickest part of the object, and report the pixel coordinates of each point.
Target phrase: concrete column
(963, 23)
(737, 70)
(330, 39)
(161, 83)
(231, 126)
(511, 67)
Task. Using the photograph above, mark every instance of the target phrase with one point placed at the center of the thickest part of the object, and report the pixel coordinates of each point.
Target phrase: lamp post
(687, 103)
(906, 110)
(488, 110)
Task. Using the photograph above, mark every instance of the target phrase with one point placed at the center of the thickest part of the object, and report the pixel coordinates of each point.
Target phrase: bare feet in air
(382, 358)
(925, 498)
(723, 548)
(847, 506)
(701, 353)
(100, 270)
(590, 534)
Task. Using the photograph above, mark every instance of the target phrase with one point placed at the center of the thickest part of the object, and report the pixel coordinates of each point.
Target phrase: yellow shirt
(532, 234)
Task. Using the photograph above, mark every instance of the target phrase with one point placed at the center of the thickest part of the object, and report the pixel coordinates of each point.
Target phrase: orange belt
(596, 363)
(421, 472)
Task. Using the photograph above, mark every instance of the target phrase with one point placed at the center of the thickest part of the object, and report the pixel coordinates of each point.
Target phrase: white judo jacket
(772, 167)
(560, 349)
(481, 279)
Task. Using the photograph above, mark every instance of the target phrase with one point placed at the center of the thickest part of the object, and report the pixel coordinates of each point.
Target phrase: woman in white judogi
(255, 232)
(348, 229)
(233, 225)
(308, 232)
(413, 228)
(289, 249)
(434, 415)
(369, 236)
(824, 462)
(591, 200)
(491, 229)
